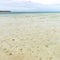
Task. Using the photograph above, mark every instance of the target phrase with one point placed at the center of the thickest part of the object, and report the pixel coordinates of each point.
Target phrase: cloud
(34, 1)
(30, 5)
(46, 1)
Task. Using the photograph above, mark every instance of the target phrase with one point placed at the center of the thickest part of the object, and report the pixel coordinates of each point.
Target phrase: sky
(30, 5)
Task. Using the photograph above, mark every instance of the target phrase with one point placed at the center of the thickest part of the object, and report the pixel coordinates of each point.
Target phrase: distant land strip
(5, 11)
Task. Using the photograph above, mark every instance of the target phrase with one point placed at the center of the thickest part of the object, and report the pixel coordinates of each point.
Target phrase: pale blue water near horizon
(29, 14)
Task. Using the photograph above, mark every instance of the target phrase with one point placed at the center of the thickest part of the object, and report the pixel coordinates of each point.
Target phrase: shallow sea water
(30, 36)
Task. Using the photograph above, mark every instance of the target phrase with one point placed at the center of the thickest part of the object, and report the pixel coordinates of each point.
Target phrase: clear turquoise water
(29, 14)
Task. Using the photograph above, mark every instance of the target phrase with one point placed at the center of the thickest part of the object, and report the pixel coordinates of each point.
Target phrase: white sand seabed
(30, 37)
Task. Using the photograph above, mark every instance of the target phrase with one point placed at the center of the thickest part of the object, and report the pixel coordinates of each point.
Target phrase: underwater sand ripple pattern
(30, 37)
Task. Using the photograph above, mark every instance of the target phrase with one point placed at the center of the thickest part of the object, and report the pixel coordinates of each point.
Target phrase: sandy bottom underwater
(30, 37)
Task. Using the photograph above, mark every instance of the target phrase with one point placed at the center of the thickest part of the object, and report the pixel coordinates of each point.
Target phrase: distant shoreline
(12, 12)
(5, 11)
